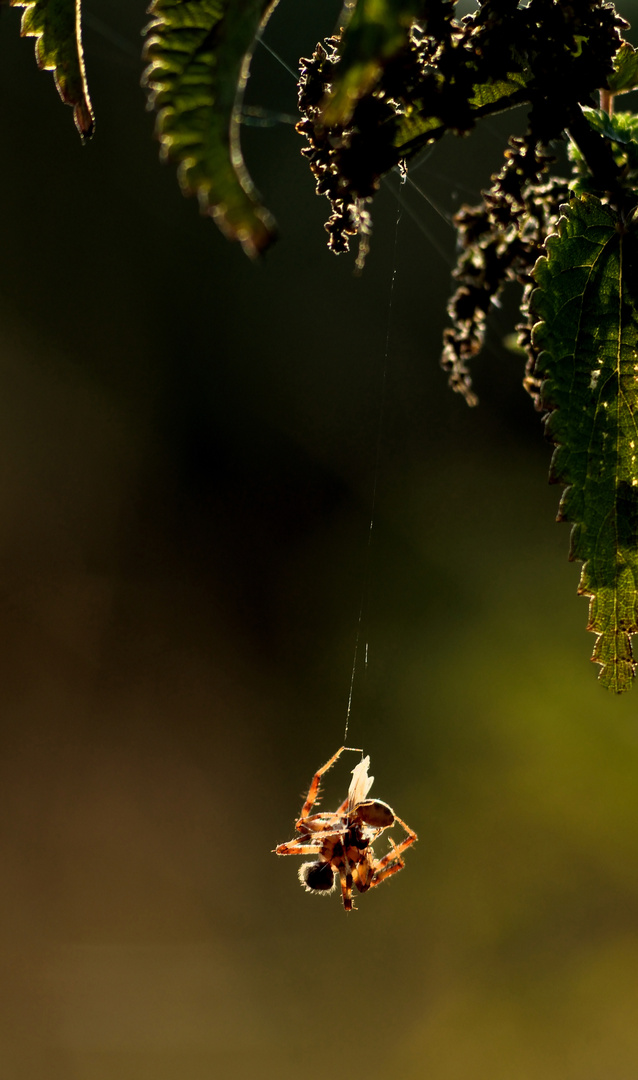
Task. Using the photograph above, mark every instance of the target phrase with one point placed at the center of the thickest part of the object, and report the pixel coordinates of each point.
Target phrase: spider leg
(313, 790)
(295, 847)
(382, 875)
(364, 872)
(319, 823)
(389, 864)
(398, 849)
(345, 876)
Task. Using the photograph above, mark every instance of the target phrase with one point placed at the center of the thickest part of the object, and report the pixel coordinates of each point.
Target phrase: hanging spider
(342, 839)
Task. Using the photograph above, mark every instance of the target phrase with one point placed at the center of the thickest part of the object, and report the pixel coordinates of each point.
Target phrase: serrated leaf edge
(83, 114)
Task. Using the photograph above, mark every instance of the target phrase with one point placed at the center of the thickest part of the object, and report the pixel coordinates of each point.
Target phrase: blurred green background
(187, 463)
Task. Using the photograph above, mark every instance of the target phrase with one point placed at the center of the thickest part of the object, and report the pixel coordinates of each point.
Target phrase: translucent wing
(360, 783)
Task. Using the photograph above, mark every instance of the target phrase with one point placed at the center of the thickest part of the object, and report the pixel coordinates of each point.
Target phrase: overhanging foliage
(398, 75)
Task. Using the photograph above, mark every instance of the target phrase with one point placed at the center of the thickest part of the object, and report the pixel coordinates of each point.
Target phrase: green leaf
(587, 355)
(625, 75)
(56, 26)
(620, 127)
(496, 92)
(484, 99)
(198, 54)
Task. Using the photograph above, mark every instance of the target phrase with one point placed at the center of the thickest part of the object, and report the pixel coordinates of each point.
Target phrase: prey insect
(341, 840)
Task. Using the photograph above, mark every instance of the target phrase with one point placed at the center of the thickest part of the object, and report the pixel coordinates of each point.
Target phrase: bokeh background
(188, 454)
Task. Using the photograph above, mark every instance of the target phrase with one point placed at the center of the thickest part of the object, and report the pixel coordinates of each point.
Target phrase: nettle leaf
(587, 357)
(625, 74)
(416, 123)
(56, 26)
(621, 129)
(198, 54)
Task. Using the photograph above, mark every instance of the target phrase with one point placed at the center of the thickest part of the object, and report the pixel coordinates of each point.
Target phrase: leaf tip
(84, 120)
(614, 654)
(256, 232)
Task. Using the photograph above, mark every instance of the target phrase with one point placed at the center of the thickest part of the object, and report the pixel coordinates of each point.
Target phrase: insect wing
(360, 783)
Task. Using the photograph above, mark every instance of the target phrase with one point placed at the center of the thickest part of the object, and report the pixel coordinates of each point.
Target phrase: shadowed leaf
(484, 98)
(587, 357)
(621, 131)
(56, 26)
(198, 54)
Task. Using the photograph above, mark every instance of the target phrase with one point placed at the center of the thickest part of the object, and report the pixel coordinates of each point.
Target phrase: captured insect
(342, 839)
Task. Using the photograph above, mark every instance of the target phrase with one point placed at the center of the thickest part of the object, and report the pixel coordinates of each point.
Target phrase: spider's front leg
(313, 791)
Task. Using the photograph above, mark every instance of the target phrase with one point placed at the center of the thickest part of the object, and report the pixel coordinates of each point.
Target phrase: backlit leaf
(621, 129)
(483, 99)
(56, 26)
(587, 346)
(198, 54)
(625, 75)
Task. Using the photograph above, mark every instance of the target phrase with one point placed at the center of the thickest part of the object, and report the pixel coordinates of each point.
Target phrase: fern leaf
(587, 356)
(56, 26)
(198, 54)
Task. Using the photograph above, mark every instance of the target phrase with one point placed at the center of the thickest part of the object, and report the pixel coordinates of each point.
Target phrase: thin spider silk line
(421, 225)
(446, 215)
(258, 117)
(277, 57)
(365, 589)
(103, 30)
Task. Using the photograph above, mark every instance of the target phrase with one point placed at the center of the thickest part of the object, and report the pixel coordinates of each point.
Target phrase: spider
(342, 840)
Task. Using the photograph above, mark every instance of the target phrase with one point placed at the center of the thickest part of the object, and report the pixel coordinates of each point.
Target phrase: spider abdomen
(317, 876)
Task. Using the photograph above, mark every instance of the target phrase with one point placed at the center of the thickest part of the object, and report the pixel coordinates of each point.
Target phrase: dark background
(187, 462)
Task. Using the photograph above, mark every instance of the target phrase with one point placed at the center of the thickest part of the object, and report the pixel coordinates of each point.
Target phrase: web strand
(256, 116)
(375, 483)
(278, 58)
